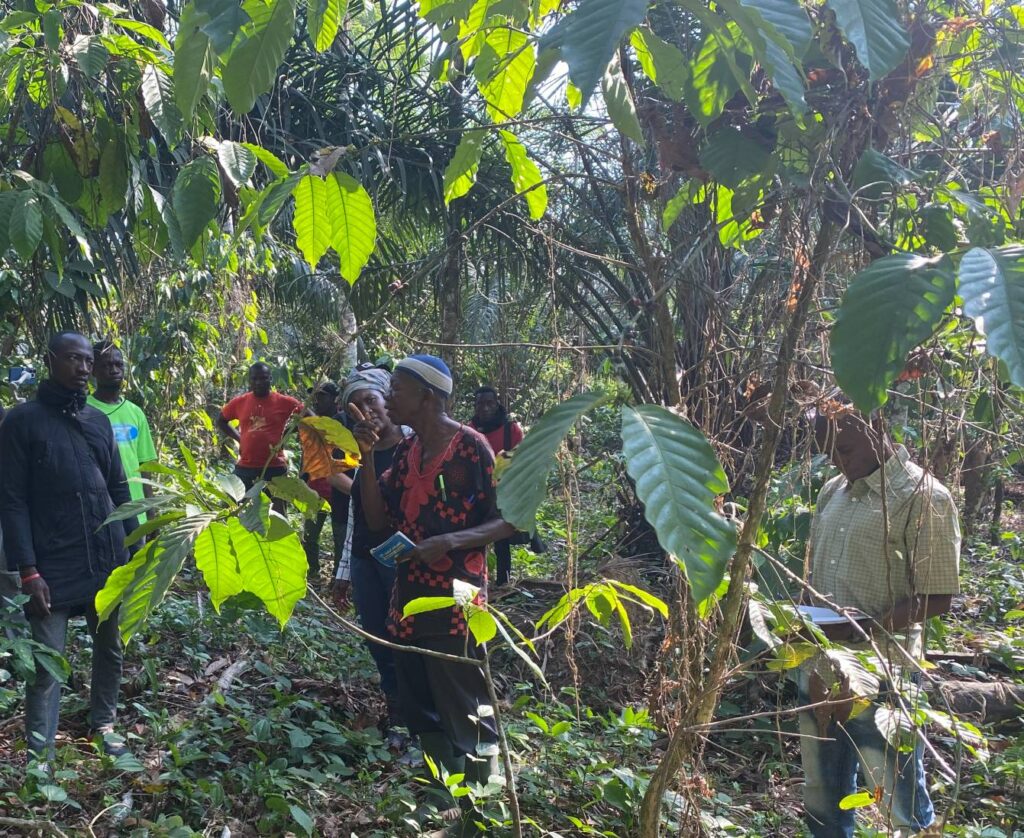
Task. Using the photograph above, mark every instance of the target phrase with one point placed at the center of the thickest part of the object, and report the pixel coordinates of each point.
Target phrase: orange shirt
(261, 424)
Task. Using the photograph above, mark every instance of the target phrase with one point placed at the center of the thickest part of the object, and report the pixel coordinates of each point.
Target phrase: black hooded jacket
(60, 477)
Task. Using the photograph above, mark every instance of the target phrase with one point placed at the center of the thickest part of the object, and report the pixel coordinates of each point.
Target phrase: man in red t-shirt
(262, 416)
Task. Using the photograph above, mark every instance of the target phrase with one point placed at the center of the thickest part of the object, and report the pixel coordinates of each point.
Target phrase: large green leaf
(158, 97)
(215, 557)
(312, 219)
(526, 177)
(888, 309)
(662, 62)
(875, 30)
(193, 62)
(513, 62)
(712, 80)
(273, 570)
(876, 175)
(619, 100)
(223, 20)
(140, 586)
(353, 224)
(26, 224)
(677, 478)
(237, 161)
(460, 175)
(992, 288)
(731, 157)
(252, 65)
(91, 54)
(589, 36)
(323, 19)
(523, 483)
(195, 196)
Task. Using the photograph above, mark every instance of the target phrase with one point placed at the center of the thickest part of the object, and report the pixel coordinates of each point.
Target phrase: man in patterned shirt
(440, 493)
(885, 540)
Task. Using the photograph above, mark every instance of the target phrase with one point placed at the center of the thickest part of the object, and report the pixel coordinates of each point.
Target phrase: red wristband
(25, 579)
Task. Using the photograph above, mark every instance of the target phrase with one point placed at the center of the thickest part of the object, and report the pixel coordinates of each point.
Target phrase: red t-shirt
(496, 438)
(261, 424)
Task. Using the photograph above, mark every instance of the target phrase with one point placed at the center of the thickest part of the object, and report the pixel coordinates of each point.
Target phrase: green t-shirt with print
(134, 440)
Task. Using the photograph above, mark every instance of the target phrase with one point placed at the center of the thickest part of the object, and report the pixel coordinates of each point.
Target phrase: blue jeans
(830, 773)
(372, 583)
(42, 697)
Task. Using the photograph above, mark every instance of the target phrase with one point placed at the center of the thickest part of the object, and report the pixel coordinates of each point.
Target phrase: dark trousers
(372, 583)
(249, 476)
(503, 553)
(42, 697)
(311, 542)
(440, 696)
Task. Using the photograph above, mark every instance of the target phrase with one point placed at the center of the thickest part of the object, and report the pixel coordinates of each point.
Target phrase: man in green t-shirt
(131, 430)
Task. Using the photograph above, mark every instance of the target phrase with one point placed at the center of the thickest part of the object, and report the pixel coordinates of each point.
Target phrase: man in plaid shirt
(885, 540)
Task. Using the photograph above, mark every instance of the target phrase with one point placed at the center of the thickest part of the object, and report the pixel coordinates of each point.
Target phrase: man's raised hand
(364, 431)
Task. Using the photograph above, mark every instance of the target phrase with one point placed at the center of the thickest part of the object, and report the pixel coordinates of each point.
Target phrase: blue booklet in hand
(391, 551)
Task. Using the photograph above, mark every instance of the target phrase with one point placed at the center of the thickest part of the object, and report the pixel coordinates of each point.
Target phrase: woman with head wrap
(368, 579)
(440, 494)
(491, 418)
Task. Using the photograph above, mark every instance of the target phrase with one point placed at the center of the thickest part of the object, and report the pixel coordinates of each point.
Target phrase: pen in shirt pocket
(440, 485)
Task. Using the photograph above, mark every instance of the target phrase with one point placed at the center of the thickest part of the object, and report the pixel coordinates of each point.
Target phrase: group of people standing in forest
(884, 540)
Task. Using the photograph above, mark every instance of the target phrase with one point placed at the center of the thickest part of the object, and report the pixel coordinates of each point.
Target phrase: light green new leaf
(253, 63)
(460, 175)
(297, 490)
(992, 288)
(216, 559)
(323, 19)
(26, 224)
(237, 161)
(523, 483)
(589, 36)
(312, 219)
(194, 61)
(90, 54)
(144, 29)
(471, 30)
(526, 177)
(875, 30)
(858, 800)
(275, 571)
(269, 159)
(423, 604)
(513, 62)
(677, 478)
(482, 625)
(353, 224)
(140, 586)
(662, 62)
(645, 597)
(712, 80)
(195, 196)
(71, 222)
(888, 309)
(731, 157)
(619, 100)
(158, 97)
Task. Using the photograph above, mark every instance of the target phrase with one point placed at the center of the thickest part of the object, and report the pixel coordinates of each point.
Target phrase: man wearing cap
(368, 579)
(440, 493)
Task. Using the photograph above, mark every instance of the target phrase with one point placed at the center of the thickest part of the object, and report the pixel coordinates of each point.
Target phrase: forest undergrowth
(237, 728)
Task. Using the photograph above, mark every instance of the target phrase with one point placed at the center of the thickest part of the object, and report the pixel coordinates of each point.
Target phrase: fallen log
(980, 701)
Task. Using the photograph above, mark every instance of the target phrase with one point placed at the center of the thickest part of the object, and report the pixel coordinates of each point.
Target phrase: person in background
(492, 420)
(885, 541)
(440, 493)
(368, 580)
(60, 477)
(262, 415)
(325, 399)
(131, 429)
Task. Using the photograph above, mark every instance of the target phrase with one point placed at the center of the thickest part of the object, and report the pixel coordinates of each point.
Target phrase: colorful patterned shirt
(453, 492)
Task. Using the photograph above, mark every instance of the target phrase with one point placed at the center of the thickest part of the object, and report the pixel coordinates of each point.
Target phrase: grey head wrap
(371, 379)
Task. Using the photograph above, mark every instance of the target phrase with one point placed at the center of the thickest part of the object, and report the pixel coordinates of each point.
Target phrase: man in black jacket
(60, 477)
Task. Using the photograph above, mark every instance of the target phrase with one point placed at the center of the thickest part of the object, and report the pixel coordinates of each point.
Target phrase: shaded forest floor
(233, 724)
